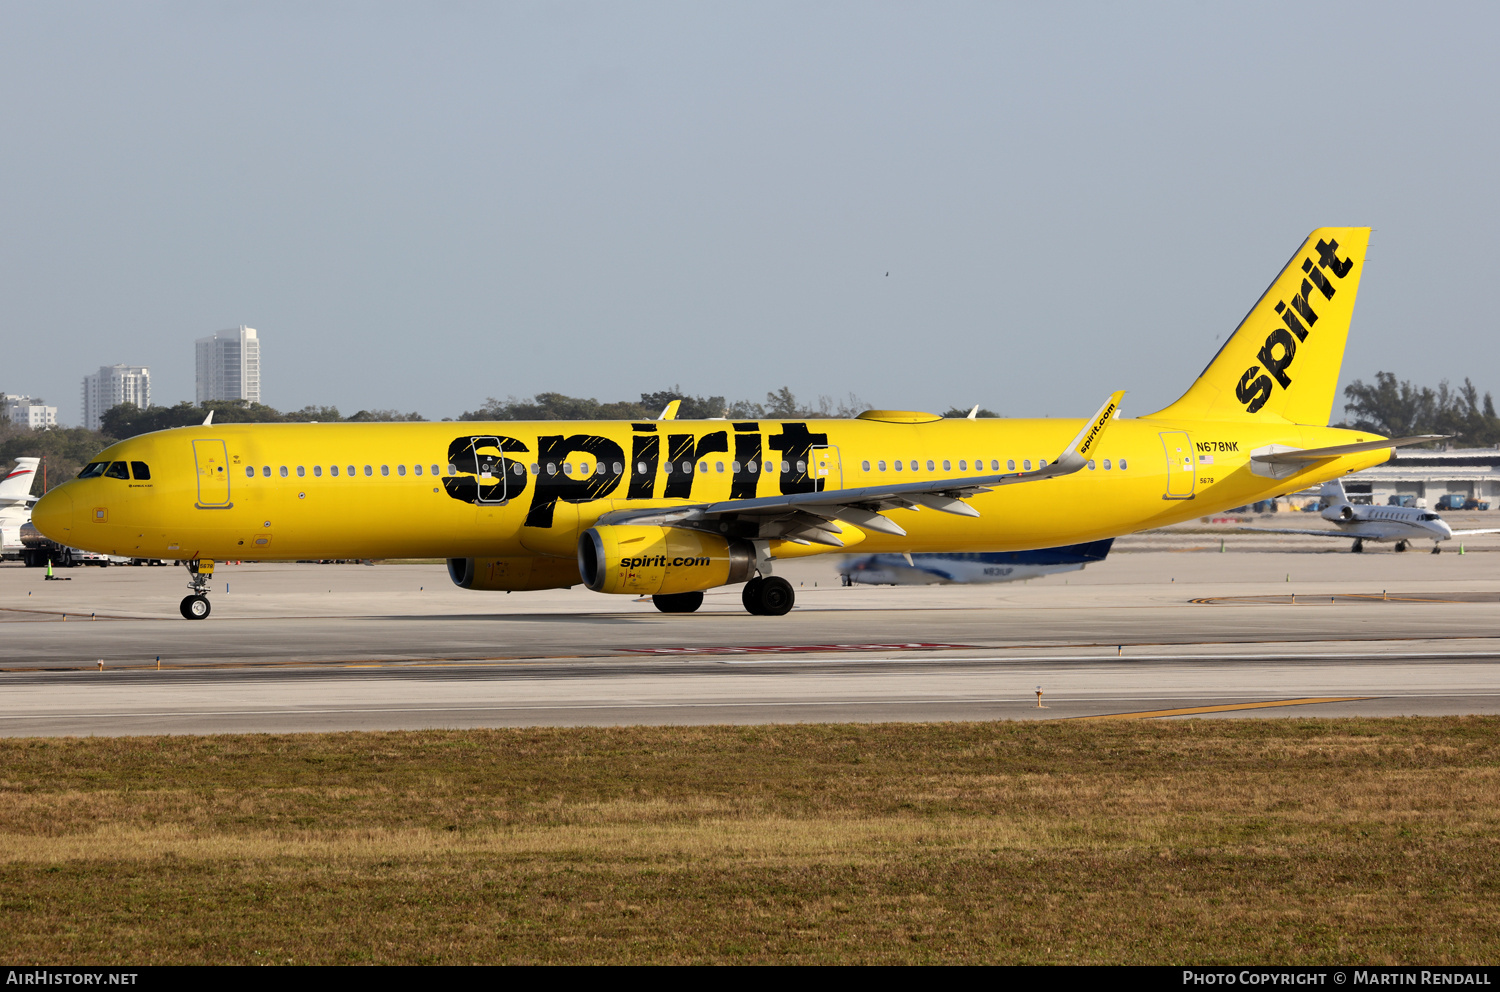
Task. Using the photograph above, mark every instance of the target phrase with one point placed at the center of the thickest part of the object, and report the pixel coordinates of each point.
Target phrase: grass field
(1200, 841)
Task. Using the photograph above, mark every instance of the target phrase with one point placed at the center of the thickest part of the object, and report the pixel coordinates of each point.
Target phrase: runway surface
(1161, 634)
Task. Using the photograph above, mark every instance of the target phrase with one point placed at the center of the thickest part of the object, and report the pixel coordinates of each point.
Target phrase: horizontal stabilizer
(1295, 455)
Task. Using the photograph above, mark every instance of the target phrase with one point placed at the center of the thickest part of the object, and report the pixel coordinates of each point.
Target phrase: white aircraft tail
(16, 486)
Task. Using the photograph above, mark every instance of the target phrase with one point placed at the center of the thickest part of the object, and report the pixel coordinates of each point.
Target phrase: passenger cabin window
(995, 465)
(734, 467)
(801, 465)
(1010, 464)
(753, 467)
(947, 465)
(333, 470)
(317, 471)
(117, 470)
(400, 469)
(416, 470)
(265, 470)
(865, 466)
(301, 472)
(718, 467)
(619, 468)
(899, 464)
(914, 465)
(881, 464)
(1091, 464)
(435, 470)
(385, 470)
(351, 471)
(1026, 465)
(250, 471)
(283, 471)
(1106, 464)
(1122, 464)
(93, 470)
(369, 471)
(640, 468)
(703, 467)
(930, 466)
(963, 466)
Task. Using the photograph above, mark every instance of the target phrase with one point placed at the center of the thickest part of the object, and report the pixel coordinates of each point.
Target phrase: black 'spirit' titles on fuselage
(1280, 346)
(487, 477)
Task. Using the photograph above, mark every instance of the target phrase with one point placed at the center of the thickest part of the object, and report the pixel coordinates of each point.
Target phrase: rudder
(1283, 361)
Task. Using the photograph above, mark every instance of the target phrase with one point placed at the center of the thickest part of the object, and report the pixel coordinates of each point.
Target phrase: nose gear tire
(195, 607)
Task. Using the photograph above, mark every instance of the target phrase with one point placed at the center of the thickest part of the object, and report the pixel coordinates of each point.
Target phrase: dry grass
(1224, 841)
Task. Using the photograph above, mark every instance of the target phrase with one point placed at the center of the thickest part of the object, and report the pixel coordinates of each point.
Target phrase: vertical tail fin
(16, 485)
(1282, 362)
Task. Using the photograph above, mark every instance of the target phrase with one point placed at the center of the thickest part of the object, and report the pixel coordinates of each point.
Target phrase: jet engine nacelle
(513, 574)
(648, 560)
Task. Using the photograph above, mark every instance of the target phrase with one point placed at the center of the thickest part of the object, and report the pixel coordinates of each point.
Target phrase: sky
(1023, 206)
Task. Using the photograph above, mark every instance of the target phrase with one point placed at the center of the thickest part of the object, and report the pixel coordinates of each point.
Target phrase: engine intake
(646, 560)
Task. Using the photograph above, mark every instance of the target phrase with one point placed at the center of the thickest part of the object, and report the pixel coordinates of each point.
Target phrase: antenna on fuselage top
(670, 413)
(208, 419)
(974, 412)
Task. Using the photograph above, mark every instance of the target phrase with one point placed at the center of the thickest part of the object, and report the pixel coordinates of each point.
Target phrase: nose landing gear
(195, 607)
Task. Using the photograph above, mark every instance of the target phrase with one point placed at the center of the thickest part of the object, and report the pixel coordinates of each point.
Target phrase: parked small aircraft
(15, 505)
(1402, 524)
(966, 567)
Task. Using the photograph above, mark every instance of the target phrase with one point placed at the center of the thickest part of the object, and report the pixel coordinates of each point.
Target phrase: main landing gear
(770, 596)
(1400, 545)
(195, 607)
(1359, 546)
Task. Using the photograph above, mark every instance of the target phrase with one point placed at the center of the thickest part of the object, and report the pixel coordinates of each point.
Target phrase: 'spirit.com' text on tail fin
(1282, 362)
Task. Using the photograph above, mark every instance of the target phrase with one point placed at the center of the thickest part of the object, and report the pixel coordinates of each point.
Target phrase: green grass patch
(1206, 841)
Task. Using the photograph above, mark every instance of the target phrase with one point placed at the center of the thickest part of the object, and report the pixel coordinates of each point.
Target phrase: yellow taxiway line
(1192, 710)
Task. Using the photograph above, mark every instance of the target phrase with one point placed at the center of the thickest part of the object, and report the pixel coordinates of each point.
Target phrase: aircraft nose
(53, 516)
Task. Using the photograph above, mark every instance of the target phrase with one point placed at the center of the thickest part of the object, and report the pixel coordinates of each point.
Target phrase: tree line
(1398, 409)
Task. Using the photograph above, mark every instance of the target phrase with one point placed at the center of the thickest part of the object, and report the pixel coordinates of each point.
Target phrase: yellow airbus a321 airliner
(671, 508)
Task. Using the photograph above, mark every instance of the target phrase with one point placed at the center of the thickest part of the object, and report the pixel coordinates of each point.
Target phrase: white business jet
(1402, 524)
(15, 504)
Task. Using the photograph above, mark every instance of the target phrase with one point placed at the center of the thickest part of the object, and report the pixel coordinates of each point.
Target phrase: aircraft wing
(808, 518)
(1311, 533)
(1486, 530)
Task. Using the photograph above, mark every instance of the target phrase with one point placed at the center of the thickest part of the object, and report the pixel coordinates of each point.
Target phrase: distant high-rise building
(25, 411)
(229, 366)
(111, 386)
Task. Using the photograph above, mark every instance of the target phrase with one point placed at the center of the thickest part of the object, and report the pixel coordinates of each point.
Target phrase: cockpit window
(1431, 516)
(140, 470)
(93, 470)
(117, 470)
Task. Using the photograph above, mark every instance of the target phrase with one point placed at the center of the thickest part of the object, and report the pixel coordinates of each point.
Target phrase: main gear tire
(678, 602)
(771, 596)
(750, 595)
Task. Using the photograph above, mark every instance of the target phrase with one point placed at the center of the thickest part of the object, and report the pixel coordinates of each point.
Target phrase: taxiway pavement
(1183, 632)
